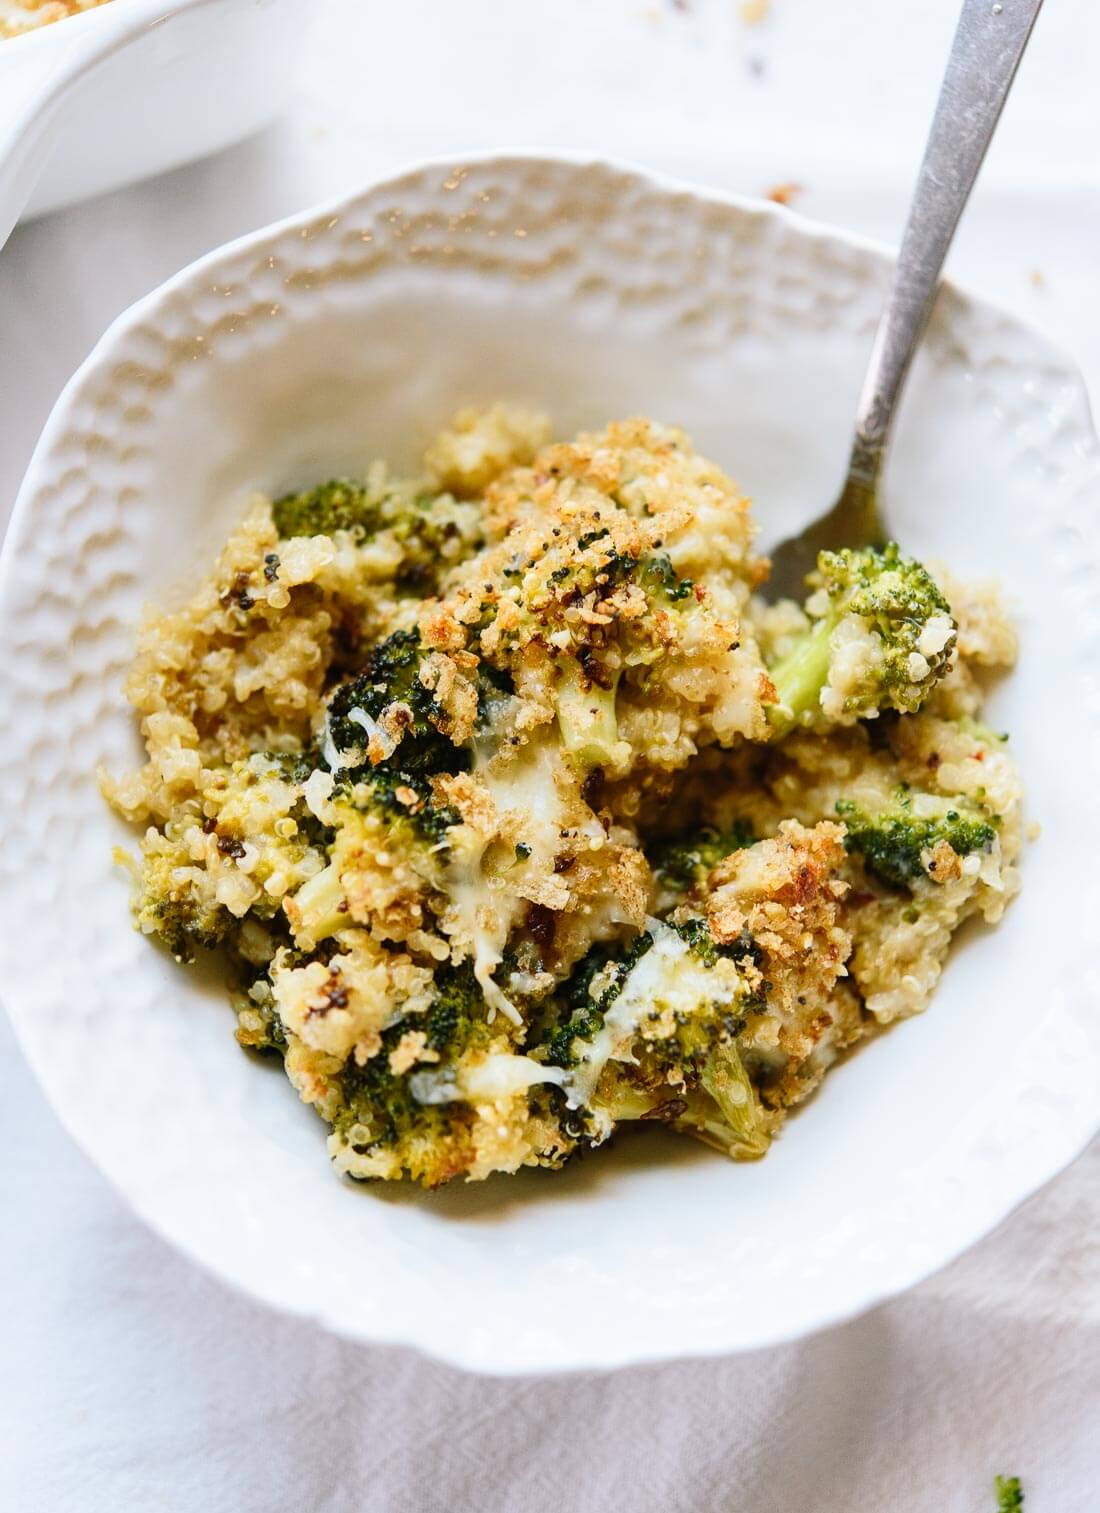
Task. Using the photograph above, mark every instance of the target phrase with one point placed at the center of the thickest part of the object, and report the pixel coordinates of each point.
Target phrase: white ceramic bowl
(132, 88)
(306, 349)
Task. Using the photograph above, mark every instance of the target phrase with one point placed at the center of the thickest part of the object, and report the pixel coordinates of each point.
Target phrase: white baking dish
(132, 88)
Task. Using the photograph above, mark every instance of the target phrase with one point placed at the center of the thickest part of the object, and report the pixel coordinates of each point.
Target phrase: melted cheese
(531, 786)
(375, 732)
(333, 758)
(498, 1077)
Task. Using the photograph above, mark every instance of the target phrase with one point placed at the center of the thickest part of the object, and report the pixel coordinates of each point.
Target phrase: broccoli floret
(390, 791)
(259, 1025)
(594, 571)
(659, 577)
(293, 766)
(894, 842)
(434, 532)
(671, 1057)
(458, 1009)
(390, 685)
(380, 1106)
(582, 1010)
(428, 1136)
(909, 637)
(686, 860)
(1010, 1495)
(174, 912)
(177, 896)
(185, 924)
(370, 816)
(338, 505)
(431, 532)
(696, 934)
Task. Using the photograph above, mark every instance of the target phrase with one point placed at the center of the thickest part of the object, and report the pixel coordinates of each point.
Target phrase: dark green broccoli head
(434, 533)
(908, 621)
(382, 1105)
(431, 531)
(379, 1104)
(580, 1006)
(389, 792)
(696, 934)
(338, 505)
(668, 1072)
(660, 580)
(582, 1002)
(893, 842)
(684, 861)
(391, 678)
(186, 925)
(457, 1015)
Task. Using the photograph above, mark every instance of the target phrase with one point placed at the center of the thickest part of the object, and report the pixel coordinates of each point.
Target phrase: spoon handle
(988, 45)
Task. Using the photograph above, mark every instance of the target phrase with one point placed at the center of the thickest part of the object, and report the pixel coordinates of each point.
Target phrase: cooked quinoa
(516, 816)
(19, 16)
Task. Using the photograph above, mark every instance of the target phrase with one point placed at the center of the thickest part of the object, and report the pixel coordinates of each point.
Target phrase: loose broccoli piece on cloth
(881, 635)
(1010, 1495)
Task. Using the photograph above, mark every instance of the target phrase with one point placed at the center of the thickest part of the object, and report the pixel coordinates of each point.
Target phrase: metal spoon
(985, 54)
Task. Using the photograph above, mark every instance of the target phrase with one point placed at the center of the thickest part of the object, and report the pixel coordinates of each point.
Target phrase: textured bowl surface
(595, 292)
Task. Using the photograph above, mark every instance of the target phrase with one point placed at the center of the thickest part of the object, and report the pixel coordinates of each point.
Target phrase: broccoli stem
(587, 721)
(800, 676)
(319, 908)
(727, 1082)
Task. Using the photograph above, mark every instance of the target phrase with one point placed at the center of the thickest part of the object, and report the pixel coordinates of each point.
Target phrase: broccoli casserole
(517, 817)
(18, 16)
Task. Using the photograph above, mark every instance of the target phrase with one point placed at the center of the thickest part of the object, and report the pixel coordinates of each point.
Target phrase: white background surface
(130, 1381)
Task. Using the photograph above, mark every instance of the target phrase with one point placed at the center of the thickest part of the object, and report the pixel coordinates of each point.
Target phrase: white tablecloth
(129, 1380)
